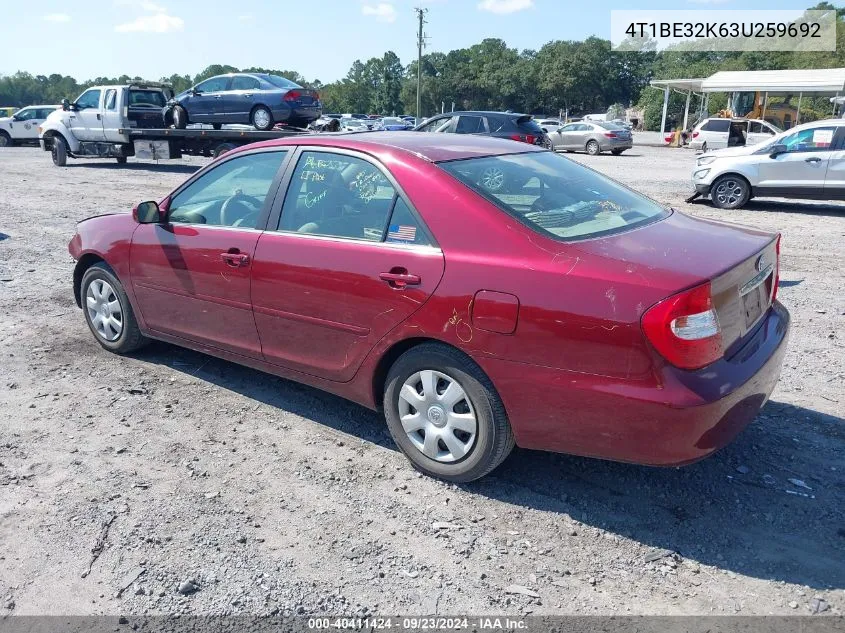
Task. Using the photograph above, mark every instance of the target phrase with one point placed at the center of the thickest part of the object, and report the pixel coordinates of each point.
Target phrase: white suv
(807, 161)
(22, 126)
(720, 133)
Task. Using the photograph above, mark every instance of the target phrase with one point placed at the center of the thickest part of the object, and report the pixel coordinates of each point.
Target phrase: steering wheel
(250, 207)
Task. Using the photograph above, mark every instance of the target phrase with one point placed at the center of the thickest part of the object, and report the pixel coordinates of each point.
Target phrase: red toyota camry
(483, 292)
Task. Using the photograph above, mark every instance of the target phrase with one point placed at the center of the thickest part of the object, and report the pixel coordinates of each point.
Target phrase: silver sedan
(592, 137)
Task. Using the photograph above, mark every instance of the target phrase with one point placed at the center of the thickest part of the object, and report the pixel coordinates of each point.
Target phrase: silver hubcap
(437, 416)
(492, 178)
(729, 192)
(104, 310)
(261, 118)
(592, 147)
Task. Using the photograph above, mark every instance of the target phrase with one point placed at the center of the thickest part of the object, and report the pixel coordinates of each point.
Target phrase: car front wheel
(5, 139)
(730, 192)
(445, 415)
(108, 312)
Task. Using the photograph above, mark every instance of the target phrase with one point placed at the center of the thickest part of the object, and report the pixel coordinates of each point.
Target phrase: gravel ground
(174, 482)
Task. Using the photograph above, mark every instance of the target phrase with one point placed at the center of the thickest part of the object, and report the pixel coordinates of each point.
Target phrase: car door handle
(399, 278)
(99, 116)
(813, 159)
(235, 260)
(218, 96)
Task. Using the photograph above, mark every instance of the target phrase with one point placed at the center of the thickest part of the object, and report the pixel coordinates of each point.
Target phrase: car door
(206, 105)
(560, 135)
(349, 260)
(86, 118)
(759, 132)
(801, 171)
(112, 116)
(191, 273)
(24, 124)
(239, 99)
(834, 184)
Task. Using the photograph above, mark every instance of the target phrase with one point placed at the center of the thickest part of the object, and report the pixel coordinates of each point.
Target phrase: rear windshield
(607, 125)
(281, 82)
(146, 98)
(554, 195)
(529, 126)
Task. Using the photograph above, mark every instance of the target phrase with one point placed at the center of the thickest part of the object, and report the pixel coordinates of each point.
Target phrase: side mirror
(777, 150)
(147, 213)
(65, 105)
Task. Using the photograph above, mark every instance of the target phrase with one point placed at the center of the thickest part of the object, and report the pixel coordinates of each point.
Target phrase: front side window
(27, 114)
(215, 84)
(817, 139)
(245, 83)
(338, 196)
(231, 194)
(437, 125)
(555, 196)
(88, 99)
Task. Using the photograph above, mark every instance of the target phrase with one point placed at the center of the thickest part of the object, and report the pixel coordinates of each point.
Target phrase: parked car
(716, 133)
(804, 162)
(394, 124)
(510, 125)
(355, 125)
(593, 137)
(549, 125)
(257, 99)
(355, 116)
(6, 111)
(388, 272)
(22, 126)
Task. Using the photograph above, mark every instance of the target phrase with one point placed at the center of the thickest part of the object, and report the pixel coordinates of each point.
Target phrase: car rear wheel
(108, 312)
(59, 151)
(593, 148)
(5, 139)
(730, 192)
(180, 118)
(262, 118)
(445, 415)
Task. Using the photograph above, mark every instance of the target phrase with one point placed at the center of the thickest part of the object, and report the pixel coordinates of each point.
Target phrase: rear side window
(404, 227)
(111, 99)
(245, 83)
(717, 125)
(470, 125)
(281, 82)
(555, 196)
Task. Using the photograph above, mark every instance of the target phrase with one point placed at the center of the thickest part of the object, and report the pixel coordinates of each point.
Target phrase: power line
(420, 45)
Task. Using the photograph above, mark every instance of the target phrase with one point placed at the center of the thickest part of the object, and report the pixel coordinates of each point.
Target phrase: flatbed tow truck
(122, 121)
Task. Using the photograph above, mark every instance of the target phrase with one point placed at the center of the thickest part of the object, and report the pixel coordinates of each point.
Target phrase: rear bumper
(682, 418)
(306, 114)
(617, 144)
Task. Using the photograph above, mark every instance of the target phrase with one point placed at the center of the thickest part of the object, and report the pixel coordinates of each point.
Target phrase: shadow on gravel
(170, 168)
(731, 510)
(785, 206)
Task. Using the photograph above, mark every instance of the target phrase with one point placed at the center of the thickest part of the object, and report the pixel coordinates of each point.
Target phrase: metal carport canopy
(802, 80)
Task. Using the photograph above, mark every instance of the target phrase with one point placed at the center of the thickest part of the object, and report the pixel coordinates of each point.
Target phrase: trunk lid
(680, 252)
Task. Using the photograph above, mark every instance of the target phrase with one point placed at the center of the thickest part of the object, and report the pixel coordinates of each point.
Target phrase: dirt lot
(176, 468)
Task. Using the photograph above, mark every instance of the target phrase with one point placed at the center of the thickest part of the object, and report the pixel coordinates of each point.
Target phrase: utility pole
(420, 44)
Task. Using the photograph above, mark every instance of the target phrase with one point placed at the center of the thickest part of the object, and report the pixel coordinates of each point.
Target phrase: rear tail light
(776, 282)
(695, 134)
(610, 134)
(292, 95)
(524, 138)
(684, 328)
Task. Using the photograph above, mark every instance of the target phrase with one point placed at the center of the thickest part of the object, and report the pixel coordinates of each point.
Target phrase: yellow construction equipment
(752, 105)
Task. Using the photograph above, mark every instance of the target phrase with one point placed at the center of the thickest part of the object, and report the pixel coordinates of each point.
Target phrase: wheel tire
(217, 126)
(493, 439)
(107, 285)
(593, 148)
(5, 139)
(222, 149)
(180, 118)
(59, 151)
(617, 152)
(261, 118)
(730, 192)
(121, 160)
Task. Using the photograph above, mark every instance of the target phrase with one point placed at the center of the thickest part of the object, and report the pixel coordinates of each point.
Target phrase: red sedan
(483, 292)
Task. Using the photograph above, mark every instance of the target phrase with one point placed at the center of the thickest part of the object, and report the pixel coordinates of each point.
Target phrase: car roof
(42, 105)
(427, 146)
(484, 112)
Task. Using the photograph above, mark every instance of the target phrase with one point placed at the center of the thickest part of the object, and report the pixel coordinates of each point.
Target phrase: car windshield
(281, 82)
(554, 195)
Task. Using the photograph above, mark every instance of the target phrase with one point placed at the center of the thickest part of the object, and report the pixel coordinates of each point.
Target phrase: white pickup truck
(22, 126)
(128, 120)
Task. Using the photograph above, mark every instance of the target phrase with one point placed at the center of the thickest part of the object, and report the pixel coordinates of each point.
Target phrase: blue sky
(155, 38)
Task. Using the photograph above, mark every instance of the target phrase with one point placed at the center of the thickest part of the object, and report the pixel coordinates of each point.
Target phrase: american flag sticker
(401, 233)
